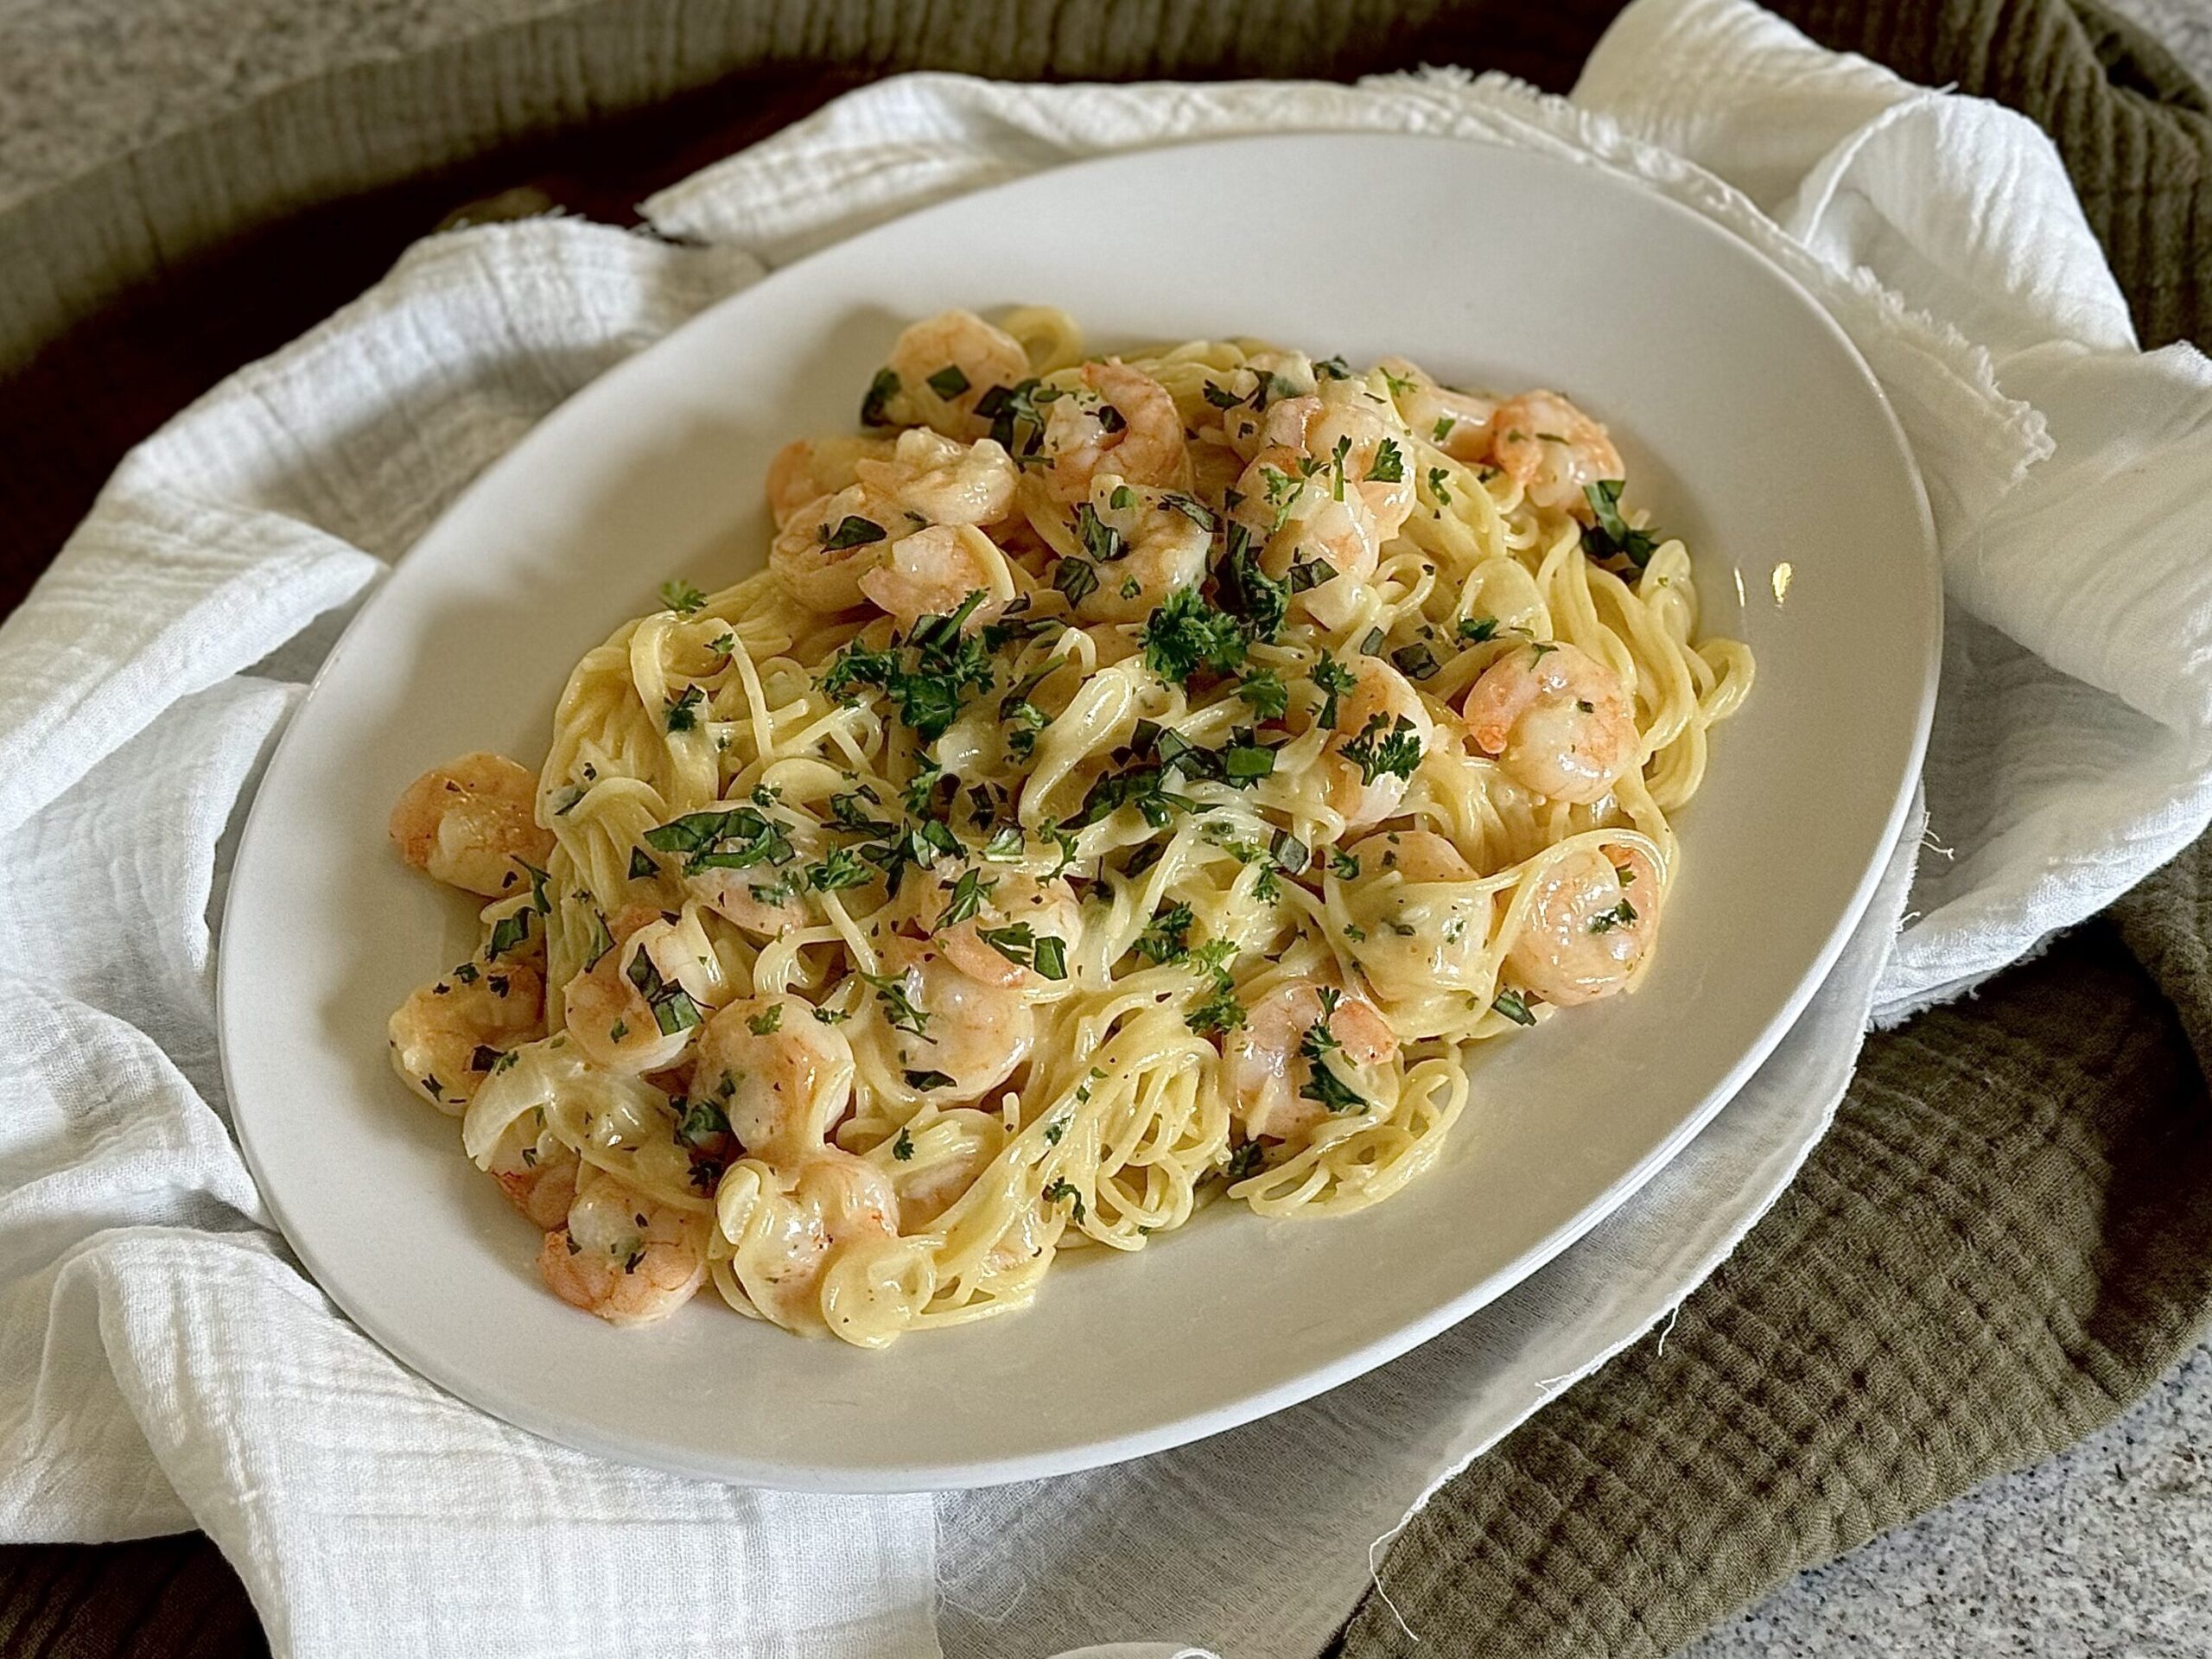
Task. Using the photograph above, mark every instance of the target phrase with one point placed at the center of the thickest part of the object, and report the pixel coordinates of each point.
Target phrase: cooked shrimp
(973, 1033)
(819, 558)
(1458, 423)
(1426, 920)
(1162, 547)
(1382, 729)
(932, 572)
(1552, 449)
(806, 469)
(945, 364)
(763, 898)
(1592, 916)
(826, 1200)
(1269, 1061)
(473, 824)
(784, 1078)
(1049, 909)
(1415, 855)
(628, 1011)
(446, 1037)
(946, 482)
(537, 1170)
(1278, 402)
(622, 1256)
(1303, 526)
(1143, 441)
(1559, 721)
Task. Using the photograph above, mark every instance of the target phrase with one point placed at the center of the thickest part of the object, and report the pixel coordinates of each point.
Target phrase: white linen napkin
(164, 1363)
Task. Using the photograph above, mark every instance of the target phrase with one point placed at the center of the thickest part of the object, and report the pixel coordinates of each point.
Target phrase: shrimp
(763, 900)
(538, 1171)
(1143, 441)
(1415, 855)
(1049, 909)
(1591, 918)
(1326, 509)
(944, 365)
(972, 1034)
(821, 554)
(1427, 922)
(622, 1256)
(946, 482)
(634, 1010)
(932, 572)
(1277, 389)
(783, 1077)
(1552, 450)
(473, 824)
(1458, 423)
(806, 469)
(789, 1223)
(1162, 547)
(1280, 1042)
(1561, 722)
(1382, 729)
(450, 1033)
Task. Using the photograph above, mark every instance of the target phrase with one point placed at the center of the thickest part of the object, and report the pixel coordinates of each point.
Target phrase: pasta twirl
(1133, 781)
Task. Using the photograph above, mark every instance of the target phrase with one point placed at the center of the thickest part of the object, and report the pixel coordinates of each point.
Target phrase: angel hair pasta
(1133, 780)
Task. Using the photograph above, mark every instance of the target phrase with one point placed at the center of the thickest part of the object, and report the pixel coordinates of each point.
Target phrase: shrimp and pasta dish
(1133, 781)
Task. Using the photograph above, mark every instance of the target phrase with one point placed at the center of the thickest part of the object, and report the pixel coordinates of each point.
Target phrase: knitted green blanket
(2004, 1242)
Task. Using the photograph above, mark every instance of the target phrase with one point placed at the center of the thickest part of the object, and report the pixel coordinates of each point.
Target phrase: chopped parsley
(767, 1022)
(840, 867)
(1010, 410)
(899, 1012)
(1167, 937)
(1343, 865)
(1332, 368)
(1247, 1160)
(1324, 1086)
(1476, 630)
(683, 714)
(1219, 397)
(1063, 1188)
(1219, 1015)
(1332, 680)
(902, 1147)
(1186, 634)
(698, 1120)
(509, 933)
(1026, 948)
(926, 674)
(682, 597)
(1384, 749)
(1261, 689)
(1389, 466)
(1619, 916)
(1438, 487)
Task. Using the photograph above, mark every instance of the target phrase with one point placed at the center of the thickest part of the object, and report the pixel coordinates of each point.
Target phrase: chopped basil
(852, 531)
(899, 1012)
(1220, 398)
(1476, 630)
(881, 391)
(683, 714)
(1515, 1007)
(642, 867)
(1076, 578)
(924, 1081)
(968, 895)
(948, 382)
(1333, 680)
(1619, 916)
(1332, 368)
(1415, 662)
(1372, 644)
(1611, 537)
(1246, 1161)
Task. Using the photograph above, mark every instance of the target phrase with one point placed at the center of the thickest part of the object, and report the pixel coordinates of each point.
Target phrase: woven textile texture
(2001, 1244)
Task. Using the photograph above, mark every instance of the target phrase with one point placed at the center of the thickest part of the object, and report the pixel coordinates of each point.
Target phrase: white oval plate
(1749, 425)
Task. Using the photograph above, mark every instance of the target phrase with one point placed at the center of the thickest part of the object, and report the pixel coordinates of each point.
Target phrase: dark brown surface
(2002, 1243)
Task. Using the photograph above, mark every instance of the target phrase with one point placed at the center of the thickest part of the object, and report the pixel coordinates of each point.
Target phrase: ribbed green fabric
(2006, 1238)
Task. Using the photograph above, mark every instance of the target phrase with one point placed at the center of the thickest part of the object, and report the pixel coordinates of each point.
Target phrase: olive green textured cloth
(2002, 1244)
